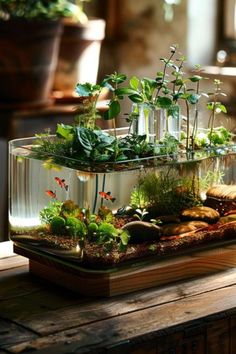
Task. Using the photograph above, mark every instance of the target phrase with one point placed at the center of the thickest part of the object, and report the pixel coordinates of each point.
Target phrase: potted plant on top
(29, 42)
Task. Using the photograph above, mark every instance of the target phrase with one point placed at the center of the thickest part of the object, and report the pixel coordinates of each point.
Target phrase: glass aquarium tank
(101, 213)
(126, 209)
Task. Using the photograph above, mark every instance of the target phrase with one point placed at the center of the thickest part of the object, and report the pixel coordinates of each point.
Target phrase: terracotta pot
(79, 54)
(28, 59)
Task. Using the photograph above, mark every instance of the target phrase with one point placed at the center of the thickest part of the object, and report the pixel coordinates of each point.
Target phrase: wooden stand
(131, 277)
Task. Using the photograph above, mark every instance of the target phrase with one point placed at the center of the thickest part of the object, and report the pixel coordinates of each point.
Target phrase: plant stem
(213, 114)
(212, 122)
(114, 126)
(195, 122)
(188, 125)
(164, 72)
(180, 67)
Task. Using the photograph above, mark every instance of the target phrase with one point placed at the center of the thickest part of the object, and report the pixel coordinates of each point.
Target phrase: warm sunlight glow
(77, 249)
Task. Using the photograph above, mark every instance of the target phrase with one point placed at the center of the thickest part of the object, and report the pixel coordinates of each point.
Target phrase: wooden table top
(39, 316)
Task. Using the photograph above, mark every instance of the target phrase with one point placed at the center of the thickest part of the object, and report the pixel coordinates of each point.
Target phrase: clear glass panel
(55, 203)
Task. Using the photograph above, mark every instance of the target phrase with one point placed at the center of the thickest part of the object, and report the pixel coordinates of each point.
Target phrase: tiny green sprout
(141, 213)
(156, 221)
(152, 247)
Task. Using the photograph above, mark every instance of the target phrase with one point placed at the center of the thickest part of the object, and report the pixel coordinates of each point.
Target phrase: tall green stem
(195, 122)
(188, 125)
(164, 72)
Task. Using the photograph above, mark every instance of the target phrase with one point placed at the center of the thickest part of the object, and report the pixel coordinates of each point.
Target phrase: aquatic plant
(75, 227)
(107, 236)
(57, 225)
(165, 193)
(68, 219)
(211, 177)
(50, 211)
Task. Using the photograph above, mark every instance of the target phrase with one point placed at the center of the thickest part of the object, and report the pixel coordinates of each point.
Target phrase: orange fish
(51, 194)
(107, 196)
(61, 183)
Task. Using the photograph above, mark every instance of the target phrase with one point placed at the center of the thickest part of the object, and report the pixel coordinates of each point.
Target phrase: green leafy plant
(107, 236)
(147, 91)
(165, 193)
(49, 212)
(87, 113)
(215, 106)
(75, 227)
(84, 143)
(68, 219)
(213, 137)
(34, 9)
(112, 82)
(169, 145)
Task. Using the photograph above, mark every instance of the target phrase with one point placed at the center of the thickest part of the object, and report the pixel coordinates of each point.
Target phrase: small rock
(142, 231)
(202, 213)
(183, 227)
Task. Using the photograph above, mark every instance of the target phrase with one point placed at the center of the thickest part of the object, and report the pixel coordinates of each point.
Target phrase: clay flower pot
(28, 59)
(79, 55)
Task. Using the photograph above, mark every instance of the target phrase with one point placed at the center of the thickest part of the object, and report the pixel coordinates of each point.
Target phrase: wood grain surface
(195, 316)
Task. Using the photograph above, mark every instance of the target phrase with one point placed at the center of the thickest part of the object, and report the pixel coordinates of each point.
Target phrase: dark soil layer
(94, 256)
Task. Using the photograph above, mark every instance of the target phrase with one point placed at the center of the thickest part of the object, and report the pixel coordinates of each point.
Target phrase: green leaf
(178, 95)
(166, 90)
(159, 75)
(86, 138)
(134, 83)
(86, 89)
(107, 85)
(193, 98)
(150, 82)
(113, 111)
(195, 78)
(125, 91)
(210, 106)
(173, 111)
(65, 131)
(164, 102)
(223, 108)
(178, 82)
(137, 98)
(124, 236)
(114, 78)
(120, 78)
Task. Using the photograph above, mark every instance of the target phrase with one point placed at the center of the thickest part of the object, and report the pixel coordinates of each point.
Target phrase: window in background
(202, 31)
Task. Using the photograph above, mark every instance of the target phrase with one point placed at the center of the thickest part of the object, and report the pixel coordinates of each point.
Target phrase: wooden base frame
(131, 277)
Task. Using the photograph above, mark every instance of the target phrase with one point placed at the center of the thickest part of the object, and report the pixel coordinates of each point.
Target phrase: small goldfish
(61, 183)
(107, 196)
(51, 194)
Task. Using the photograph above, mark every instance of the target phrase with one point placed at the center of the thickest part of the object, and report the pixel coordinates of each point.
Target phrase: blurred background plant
(31, 9)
